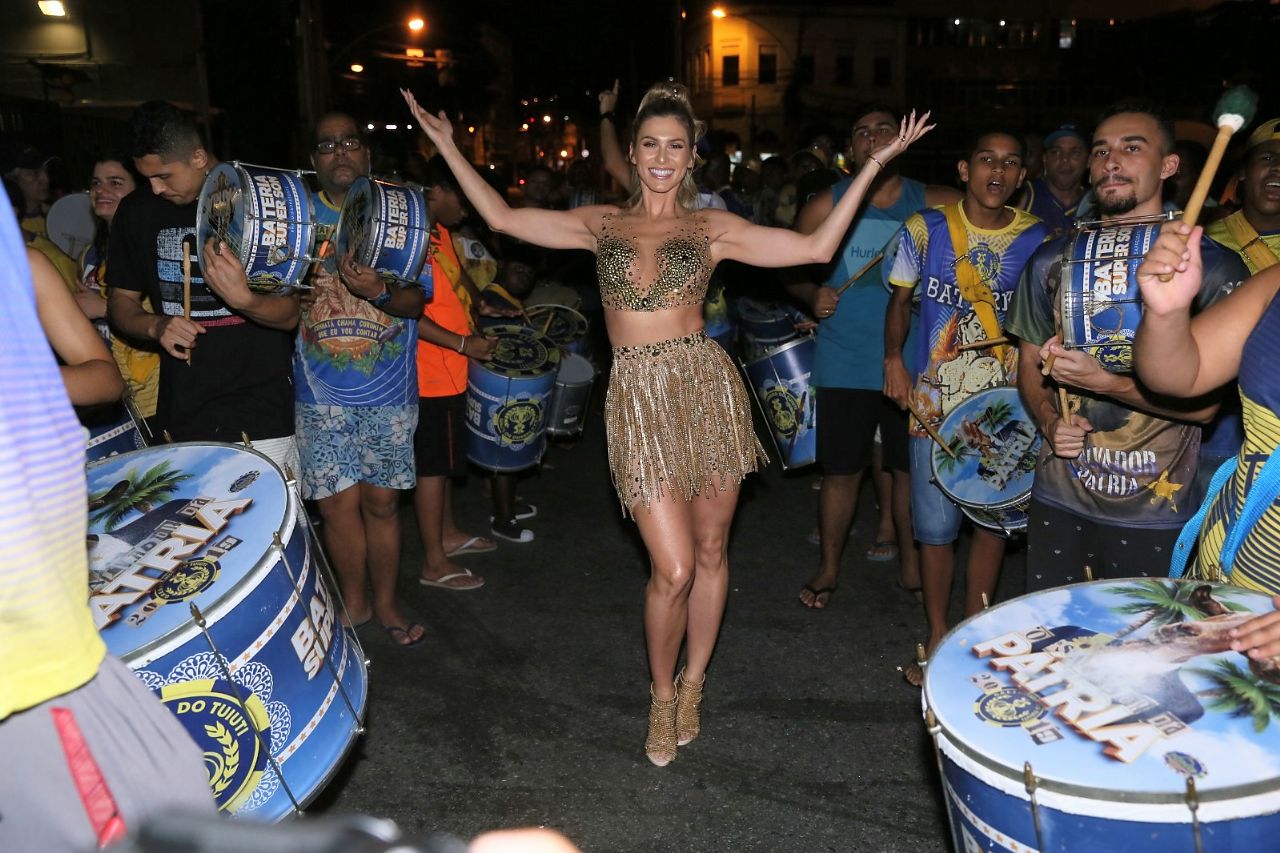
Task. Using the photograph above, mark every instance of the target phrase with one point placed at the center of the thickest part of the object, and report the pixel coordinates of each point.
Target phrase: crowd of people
(920, 297)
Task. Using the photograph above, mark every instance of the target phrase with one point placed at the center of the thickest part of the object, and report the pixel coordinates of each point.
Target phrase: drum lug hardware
(1088, 572)
(921, 657)
(244, 437)
(1031, 783)
(168, 439)
(263, 736)
(1193, 805)
(986, 602)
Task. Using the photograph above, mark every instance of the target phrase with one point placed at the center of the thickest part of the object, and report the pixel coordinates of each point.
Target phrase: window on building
(729, 70)
(768, 64)
(844, 70)
(804, 68)
(882, 71)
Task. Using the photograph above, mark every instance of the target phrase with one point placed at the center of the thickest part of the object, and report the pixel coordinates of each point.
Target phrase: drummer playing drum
(1116, 476)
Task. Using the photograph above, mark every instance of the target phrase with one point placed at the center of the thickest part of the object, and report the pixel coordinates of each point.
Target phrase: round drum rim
(576, 317)
(157, 647)
(1007, 503)
(1058, 794)
(377, 195)
(551, 365)
(781, 348)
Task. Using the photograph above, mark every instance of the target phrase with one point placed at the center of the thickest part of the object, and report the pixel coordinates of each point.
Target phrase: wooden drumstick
(186, 289)
(983, 344)
(1064, 410)
(1233, 111)
(879, 256)
(551, 316)
(933, 433)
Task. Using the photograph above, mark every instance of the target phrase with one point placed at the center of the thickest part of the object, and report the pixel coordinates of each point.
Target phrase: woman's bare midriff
(635, 328)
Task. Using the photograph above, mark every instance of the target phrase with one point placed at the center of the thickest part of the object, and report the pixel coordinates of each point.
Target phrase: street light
(417, 24)
(357, 68)
(718, 12)
(52, 8)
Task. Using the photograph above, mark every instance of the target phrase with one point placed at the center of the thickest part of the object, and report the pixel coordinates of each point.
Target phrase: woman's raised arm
(763, 246)
(553, 229)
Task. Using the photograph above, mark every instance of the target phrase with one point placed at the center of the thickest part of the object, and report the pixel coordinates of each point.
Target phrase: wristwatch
(383, 298)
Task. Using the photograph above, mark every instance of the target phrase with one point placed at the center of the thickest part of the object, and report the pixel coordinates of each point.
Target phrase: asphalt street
(527, 705)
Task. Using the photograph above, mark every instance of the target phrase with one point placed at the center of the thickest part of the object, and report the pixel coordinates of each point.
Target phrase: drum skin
(782, 381)
(388, 228)
(508, 399)
(996, 445)
(1101, 304)
(567, 327)
(764, 327)
(193, 524)
(1114, 693)
(569, 400)
(264, 216)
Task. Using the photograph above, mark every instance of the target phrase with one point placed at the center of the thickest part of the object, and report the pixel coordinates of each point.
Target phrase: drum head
(567, 326)
(521, 352)
(575, 370)
(1119, 691)
(71, 224)
(220, 212)
(996, 445)
(173, 525)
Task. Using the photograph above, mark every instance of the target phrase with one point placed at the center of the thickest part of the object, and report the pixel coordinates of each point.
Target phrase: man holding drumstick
(1116, 477)
(355, 375)
(847, 371)
(224, 370)
(963, 260)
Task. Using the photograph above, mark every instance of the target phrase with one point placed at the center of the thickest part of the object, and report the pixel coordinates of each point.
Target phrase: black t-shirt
(239, 377)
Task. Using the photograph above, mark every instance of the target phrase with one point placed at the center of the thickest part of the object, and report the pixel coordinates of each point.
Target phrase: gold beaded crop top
(683, 266)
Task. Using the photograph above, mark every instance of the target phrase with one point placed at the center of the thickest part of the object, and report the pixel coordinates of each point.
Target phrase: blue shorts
(342, 446)
(935, 520)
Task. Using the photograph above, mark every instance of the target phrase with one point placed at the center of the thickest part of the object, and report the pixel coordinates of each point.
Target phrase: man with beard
(1055, 196)
(1116, 476)
(355, 376)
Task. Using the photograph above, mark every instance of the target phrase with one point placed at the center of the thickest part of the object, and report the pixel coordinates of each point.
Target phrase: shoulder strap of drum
(1258, 252)
(970, 282)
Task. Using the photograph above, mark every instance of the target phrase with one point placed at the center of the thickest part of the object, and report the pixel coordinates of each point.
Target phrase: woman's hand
(1259, 638)
(437, 128)
(608, 99)
(910, 130)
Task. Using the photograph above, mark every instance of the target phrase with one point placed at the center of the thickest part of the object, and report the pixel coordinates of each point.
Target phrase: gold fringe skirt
(678, 420)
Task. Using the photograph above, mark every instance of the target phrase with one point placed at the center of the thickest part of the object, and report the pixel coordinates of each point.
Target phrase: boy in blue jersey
(847, 370)
(963, 261)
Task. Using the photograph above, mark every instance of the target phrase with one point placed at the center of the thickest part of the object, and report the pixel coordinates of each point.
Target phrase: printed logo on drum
(244, 481)
(1008, 707)
(233, 736)
(314, 634)
(784, 410)
(186, 580)
(518, 421)
(1115, 352)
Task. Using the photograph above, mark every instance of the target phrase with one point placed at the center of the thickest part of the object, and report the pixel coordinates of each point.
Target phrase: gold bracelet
(873, 159)
(462, 343)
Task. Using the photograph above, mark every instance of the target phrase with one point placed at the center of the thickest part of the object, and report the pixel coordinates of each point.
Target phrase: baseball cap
(1264, 132)
(25, 157)
(1065, 131)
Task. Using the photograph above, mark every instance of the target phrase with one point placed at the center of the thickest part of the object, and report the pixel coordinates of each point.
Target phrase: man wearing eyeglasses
(224, 369)
(355, 375)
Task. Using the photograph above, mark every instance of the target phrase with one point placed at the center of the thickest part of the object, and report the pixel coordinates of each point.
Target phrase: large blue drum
(387, 226)
(1107, 716)
(508, 399)
(994, 447)
(265, 680)
(264, 216)
(782, 382)
(1100, 304)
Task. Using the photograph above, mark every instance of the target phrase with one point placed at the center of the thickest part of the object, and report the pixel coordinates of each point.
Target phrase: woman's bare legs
(688, 582)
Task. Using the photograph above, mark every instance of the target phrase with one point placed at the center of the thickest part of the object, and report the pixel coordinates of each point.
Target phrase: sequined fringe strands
(678, 421)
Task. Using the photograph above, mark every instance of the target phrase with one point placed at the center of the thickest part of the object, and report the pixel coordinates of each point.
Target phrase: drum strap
(970, 282)
(1259, 253)
(1262, 494)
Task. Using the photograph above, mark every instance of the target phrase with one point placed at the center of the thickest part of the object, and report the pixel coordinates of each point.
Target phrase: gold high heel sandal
(660, 745)
(688, 705)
